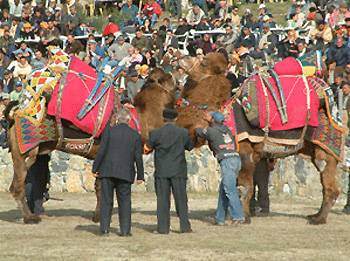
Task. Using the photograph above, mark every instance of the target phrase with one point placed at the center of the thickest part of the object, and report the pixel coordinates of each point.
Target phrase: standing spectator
(228, 39)
(36, 184)
(268, 41)
(73, 19)
(153, 11)
(222, 143)
(289, 47)
(133, 83)
(16, 94)
(170, 143)
(194, 16)
(120, 149)
(170, 41)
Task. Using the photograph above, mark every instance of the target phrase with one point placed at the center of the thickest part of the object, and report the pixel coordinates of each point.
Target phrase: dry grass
(68, 234)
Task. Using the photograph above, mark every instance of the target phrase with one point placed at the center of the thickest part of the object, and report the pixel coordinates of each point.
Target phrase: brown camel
(209, 86)
(157, 94)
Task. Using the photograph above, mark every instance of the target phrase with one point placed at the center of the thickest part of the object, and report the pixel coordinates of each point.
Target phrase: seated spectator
(24, 50)
(20, 67)
(148, 59)
(16, 7)
(36, 18)
(146, 28)
(49, 36)
(246, 39)
(170, 41)
(4, 63)
(221, 10)
(27, 32)
(5, 15)
(166, 25)
(38, 62)
(141, 19)
(134, 57)
(7, 83)
(182, 28)
(235, 18)
(119, 50)
(73, 20)
(302, 47)
(202, 4)
(321, 35)
(129, 12)
(95, 52)
(81, 30)
(153, 11)
(170, 59)
(288, 46)
(204, 43)
(268, 41)
(248, 20)
(339, 15)
(15, 27)
(227, 40)
(16, 94)
(203, 25)
(300, 16)
(140, 41)
(133, 83)
(338, 55)
(293, 21)
(73, 47)
(194, 16)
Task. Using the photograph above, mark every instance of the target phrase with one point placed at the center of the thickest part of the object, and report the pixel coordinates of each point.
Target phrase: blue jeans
(228, 194)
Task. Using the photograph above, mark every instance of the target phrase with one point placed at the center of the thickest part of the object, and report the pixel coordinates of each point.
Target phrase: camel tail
(9, 110)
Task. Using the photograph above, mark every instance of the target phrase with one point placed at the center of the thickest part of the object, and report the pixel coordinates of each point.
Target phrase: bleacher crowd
(157, 33)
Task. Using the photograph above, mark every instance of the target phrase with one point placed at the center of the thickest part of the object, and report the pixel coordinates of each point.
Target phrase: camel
(157, 94)
(209, 86)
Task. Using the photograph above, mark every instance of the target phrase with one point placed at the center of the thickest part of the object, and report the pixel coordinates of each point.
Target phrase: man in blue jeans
(222, 143)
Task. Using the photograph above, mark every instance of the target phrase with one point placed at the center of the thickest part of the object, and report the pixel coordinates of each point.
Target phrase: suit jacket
(170, 143)
(120, 149)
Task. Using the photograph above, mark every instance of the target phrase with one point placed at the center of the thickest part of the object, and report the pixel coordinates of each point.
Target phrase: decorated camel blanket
(76, 86)
(261, 108)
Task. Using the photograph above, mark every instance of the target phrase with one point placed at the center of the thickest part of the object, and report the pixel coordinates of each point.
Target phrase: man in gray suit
(120, 149)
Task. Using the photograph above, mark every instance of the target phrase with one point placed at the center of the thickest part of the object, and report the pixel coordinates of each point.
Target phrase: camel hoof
(247, 220)
(317, 221)
(32, 220)
(96, 218)
(312, 216)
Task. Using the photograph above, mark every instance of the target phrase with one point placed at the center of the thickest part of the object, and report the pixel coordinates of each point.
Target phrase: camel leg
(17, 188)
(330, 190)
(96, 217)
(245, 177)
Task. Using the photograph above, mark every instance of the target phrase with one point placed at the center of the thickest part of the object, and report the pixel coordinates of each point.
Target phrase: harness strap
(59, 109)
(281, 93)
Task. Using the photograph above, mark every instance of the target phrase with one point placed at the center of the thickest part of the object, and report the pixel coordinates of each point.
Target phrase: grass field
(68, 233)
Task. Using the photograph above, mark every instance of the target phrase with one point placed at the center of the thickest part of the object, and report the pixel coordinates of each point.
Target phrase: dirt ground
(68, 233)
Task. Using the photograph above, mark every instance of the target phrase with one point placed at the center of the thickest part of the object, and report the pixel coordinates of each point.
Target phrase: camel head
(211, 64)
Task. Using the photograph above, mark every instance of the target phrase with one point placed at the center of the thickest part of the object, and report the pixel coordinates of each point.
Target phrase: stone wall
(292, 176)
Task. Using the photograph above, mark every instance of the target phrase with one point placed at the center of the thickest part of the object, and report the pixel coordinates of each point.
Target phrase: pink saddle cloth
(78, 85)
(295, 89)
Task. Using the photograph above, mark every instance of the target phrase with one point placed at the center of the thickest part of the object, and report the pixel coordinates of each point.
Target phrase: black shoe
(104, 233)
(187, 231)
(124, 235)
(160, 233)
(346, 209)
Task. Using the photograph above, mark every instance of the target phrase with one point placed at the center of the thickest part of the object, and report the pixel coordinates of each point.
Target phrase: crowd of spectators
(161, 33)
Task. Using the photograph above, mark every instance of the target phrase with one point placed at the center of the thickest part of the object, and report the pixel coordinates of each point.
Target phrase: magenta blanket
(78, 85)
(296, 99)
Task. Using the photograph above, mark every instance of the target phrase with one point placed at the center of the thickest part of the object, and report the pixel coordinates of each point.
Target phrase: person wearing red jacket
(152, 10)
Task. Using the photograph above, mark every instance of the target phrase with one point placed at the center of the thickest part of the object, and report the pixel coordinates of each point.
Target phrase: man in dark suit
(120, 149)
(170, 143)
(37, 178)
